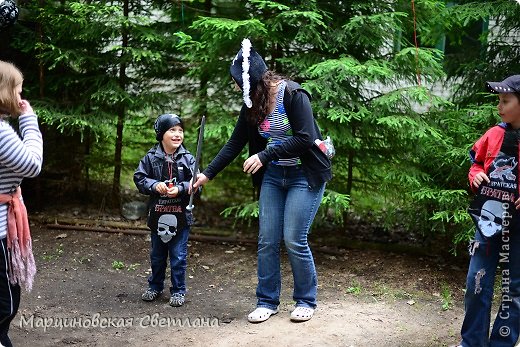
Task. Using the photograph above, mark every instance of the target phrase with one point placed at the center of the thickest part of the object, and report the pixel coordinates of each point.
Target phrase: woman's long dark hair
(260, 97)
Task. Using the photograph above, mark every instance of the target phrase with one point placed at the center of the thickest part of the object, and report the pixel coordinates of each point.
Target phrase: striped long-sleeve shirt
(19, 158)
(277, 129)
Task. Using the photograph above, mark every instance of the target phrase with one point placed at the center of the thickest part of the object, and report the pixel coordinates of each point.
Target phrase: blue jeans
(504, 250)
(177, 249)
(287, 208)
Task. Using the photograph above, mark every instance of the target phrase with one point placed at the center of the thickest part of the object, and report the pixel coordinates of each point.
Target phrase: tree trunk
(88, 142)
(351, 154)
(116, 187)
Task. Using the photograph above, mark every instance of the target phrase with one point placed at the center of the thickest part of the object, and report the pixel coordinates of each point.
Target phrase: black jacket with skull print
(149, 173)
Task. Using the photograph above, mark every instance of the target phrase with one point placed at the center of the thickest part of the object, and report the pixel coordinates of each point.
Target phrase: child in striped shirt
(20, 156)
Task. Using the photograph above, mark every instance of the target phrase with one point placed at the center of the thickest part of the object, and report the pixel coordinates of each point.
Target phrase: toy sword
(197, 159)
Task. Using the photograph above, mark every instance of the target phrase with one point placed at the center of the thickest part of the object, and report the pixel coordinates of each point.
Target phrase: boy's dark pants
(177, 249)
(9, 296)
(503, 250)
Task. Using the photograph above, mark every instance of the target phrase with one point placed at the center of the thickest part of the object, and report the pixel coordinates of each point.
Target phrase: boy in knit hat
(164, 173)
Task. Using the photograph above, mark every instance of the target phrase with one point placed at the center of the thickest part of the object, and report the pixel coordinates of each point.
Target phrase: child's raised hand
(479, 178)
(25, 107)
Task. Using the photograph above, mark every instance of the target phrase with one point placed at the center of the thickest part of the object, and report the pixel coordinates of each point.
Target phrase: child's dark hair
(517, 94)
(260, 97)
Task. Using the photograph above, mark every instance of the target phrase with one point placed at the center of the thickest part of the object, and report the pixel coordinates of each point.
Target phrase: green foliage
(58, 252)
(334, 206)
(354, 289)
(497, 54)
(102, 65)
(393, 137)
(243, 212)
(402, 118)
(447, 300)
(118, 265)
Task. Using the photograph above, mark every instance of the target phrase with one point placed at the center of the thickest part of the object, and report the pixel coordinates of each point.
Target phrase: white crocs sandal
(261, 314)
(302, 314)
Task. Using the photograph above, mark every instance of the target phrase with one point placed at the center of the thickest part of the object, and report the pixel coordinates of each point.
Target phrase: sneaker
(177, 300)
(150, 295)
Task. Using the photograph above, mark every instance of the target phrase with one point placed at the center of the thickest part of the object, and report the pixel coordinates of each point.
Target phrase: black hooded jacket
(316, 165)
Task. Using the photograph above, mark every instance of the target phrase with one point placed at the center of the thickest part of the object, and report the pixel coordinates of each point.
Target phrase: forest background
(397, 85)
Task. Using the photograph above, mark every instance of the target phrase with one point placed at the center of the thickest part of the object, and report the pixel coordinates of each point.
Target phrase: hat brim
(499, 87)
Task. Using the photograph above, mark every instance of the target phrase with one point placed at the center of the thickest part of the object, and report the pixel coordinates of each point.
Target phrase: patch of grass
(355, 288)
(447, 301)
(58, 252)
(382, 291)
(118, 265)
(401, 294)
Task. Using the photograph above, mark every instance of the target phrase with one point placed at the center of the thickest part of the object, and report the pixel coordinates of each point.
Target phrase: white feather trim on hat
(246, 51)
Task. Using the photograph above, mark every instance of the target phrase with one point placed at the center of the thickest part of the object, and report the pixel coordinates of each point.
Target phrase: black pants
(9, 296)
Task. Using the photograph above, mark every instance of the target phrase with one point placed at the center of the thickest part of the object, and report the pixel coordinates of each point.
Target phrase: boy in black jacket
(164, 173)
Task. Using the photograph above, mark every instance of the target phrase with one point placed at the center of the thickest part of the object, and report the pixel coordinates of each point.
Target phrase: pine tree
(401, 146)
(105, 65)
(481, 44)
(365, 91)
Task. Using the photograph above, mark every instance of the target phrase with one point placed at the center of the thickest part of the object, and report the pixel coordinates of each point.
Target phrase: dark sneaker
(177, 300)
(150, 295)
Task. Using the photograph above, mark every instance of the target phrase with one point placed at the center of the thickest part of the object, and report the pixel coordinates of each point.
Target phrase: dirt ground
(88, 287)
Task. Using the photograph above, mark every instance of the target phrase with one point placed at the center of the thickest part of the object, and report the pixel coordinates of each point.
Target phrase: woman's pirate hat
(247, 69)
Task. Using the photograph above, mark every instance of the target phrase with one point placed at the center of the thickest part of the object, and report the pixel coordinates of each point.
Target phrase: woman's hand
(25, 107)
(201, 180)
(479, 178)
(252, 164)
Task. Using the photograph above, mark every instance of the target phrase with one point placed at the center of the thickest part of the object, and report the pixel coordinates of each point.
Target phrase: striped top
(276, 128)
(19, 158)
